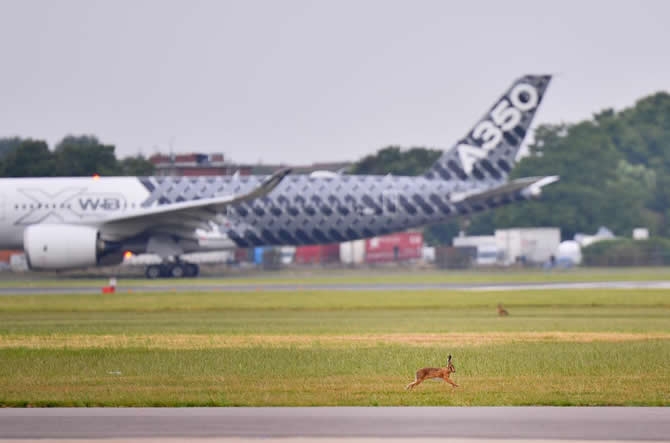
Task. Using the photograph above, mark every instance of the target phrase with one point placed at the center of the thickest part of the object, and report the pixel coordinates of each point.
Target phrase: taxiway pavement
(580, 423)
(205, 286)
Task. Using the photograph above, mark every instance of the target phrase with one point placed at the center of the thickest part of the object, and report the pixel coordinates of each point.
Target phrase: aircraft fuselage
(301, 210)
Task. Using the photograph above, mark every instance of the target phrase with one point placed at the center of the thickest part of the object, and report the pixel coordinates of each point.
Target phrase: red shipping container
(159, 159)
(317, 253)
(244, 255)
(6, 254)
(308, 254)
(330, 253)
(395, 247)
(185, 157)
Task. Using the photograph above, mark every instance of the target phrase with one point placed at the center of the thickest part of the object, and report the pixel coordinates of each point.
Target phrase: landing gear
(153, 271)
(172, 270)
(192, 270)
(177, 270)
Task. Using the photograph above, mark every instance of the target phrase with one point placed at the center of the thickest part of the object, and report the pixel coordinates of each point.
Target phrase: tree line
(74, 156)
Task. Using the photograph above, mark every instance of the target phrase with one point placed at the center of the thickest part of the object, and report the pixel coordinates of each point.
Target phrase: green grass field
(559, 347)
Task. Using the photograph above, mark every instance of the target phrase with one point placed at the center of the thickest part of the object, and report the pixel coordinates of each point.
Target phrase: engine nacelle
(51, 247)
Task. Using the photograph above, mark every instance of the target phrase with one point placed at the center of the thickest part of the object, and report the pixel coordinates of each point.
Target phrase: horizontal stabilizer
(520, 189)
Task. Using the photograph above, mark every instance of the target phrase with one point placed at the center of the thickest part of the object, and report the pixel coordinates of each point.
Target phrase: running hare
(442, 373)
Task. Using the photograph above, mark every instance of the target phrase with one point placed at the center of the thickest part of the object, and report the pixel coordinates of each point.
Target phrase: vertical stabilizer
(488, 151)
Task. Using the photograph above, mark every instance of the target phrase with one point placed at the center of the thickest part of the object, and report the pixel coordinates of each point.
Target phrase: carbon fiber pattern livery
(308, 210)
(312, 210)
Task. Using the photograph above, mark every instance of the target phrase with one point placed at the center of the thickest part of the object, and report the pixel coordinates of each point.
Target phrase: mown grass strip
(213, 341)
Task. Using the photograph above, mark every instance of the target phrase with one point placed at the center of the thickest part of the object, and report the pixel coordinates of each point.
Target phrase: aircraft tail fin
(488, 151)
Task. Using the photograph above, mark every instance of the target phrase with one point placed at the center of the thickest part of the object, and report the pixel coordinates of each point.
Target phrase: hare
(442, 373)
(502, 312)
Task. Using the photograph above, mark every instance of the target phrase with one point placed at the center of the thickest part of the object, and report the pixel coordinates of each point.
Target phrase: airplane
(79, 222)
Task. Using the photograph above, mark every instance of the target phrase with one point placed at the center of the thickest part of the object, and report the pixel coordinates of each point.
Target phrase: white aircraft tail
(488, 151)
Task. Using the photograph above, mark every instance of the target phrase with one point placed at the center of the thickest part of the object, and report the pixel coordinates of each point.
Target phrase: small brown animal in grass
(502, 311)
(442, 373)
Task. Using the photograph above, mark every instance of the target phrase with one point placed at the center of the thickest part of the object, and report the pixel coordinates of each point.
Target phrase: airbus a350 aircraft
(65, 223)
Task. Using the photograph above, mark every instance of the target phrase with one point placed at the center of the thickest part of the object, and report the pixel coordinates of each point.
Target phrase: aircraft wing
(184, 218)
(519, 189)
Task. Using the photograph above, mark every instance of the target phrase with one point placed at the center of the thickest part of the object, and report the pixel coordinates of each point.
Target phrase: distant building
(195, 164)
(528, 245)
(514, 245)
(198, 164)
(487, 248)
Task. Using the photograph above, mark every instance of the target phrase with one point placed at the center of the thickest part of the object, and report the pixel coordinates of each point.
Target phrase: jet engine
(51, 247)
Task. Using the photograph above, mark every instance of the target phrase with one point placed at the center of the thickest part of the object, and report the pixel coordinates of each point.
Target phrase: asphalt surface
(602, 423)
(203, 285)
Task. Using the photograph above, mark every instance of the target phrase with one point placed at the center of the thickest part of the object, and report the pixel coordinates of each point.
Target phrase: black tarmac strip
(582, 423)
(204, 286)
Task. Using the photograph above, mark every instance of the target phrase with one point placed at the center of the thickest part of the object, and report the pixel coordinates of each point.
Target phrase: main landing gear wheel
(177, 271)
(191, 270)
(153, 271)
(172, 270)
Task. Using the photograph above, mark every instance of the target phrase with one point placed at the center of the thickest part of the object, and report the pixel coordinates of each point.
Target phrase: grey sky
(309, 81)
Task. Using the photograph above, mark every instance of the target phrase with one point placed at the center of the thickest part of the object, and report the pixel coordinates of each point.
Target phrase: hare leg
(414, 383)
(417, 382)
(448, 380)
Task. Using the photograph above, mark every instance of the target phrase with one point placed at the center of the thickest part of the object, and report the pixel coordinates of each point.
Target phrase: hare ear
(449, 359)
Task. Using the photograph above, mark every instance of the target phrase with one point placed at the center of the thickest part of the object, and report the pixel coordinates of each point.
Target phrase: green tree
(395, 160)
(612, 169)
(85, 155)
(586, 160)
(31, 158)
(8, 145)
(73, 156)
(441, 233)
(137, 166)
